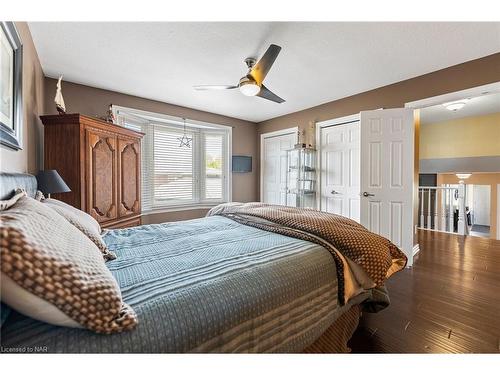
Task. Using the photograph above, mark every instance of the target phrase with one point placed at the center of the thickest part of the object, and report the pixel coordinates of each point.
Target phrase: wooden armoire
(101, 164)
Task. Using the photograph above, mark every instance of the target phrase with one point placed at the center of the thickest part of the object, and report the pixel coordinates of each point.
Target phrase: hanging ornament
(185, 141)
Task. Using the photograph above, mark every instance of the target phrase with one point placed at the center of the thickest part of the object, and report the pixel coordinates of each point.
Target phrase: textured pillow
(8, 203)
(83, 221)
(52, 272)
(38, 195)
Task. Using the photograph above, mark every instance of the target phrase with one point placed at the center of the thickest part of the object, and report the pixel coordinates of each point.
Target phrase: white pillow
(8, 203)
(33, 306)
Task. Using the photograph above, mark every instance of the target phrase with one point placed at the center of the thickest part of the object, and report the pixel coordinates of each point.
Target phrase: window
(174, 176)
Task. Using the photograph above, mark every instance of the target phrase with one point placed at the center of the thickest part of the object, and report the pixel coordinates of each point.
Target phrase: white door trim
(498, 211)
(263, 136)
(337, 121)
(325, 124)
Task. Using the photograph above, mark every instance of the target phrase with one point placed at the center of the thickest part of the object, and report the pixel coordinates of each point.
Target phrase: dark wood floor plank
(448, 302)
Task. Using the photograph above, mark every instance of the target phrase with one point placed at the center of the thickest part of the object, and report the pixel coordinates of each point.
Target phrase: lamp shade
(50, 182)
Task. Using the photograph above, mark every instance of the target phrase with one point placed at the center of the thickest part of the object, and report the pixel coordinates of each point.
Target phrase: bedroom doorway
(457, 141)
(273, 165)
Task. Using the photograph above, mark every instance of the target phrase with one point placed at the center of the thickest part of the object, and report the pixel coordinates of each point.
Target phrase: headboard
(9, 182)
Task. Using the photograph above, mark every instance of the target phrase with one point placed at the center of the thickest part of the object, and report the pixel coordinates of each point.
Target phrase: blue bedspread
(206, 285)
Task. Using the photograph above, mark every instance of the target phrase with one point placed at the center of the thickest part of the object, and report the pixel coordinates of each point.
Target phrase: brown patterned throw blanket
(376, 255)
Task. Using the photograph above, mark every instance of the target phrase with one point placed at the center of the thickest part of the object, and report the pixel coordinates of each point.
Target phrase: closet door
(274, 167)
(101, 174)
(129, 173)
(340, 169)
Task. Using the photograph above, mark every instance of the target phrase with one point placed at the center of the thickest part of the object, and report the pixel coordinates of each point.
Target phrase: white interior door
(481, 205)
(340, 169)
(387, 174)
(274, 166)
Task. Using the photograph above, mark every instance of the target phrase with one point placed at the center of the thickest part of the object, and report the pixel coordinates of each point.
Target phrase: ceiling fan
(251, 84)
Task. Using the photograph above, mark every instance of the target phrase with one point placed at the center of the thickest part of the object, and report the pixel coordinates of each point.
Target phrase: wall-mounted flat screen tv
(242, 164)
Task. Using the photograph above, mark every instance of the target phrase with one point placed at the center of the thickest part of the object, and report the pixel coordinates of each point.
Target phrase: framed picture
(11, 83)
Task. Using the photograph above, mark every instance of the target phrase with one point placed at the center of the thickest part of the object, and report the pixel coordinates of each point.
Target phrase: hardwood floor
(448, 302)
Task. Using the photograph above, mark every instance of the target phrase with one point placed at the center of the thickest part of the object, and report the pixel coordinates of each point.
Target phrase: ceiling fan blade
(269, 95)
(214, 87)
(260, 70)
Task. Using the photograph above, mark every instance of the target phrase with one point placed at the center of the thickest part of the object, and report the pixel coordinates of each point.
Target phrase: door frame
(263, 136)
(498, 211)
(319, 126)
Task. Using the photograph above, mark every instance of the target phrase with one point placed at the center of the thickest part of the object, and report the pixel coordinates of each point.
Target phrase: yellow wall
(492, 179)
(465, 137)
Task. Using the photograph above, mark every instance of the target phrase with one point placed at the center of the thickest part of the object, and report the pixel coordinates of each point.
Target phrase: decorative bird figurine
(59, 100)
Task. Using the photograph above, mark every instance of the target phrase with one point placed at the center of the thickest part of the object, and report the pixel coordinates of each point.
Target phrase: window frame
(199, 201)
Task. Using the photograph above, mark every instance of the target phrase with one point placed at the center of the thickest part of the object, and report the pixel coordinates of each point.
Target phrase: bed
(210, 285)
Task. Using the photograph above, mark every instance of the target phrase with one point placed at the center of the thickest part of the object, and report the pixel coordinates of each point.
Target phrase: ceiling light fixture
(456, 105)
(463, 176)
(249, 87)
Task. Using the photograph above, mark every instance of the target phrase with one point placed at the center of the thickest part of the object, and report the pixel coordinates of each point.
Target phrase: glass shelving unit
(301, 177)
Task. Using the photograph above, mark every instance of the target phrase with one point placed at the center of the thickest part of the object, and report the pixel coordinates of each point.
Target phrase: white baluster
(422, 225)
(436, 226)
(443, 210)
(429, 209)
(461, 209)
(451, 192)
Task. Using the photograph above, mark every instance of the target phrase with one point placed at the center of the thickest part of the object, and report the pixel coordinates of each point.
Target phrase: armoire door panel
(101, 175)
(129, 166)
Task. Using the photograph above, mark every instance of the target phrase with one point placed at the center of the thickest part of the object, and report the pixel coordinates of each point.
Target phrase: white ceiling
(476, 106)
(319, 62)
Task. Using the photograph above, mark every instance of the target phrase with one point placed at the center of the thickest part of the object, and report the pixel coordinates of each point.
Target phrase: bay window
(175, 176)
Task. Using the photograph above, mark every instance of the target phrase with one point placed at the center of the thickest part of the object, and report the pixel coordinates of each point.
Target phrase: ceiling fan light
(463, 176)
(249, 88)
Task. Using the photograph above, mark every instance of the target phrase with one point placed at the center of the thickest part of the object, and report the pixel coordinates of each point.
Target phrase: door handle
(335, 192)
(367, 194)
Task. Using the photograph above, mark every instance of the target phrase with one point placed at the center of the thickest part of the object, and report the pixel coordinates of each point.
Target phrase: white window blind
(214, 166)
(174, 168)
(174, 176)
